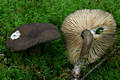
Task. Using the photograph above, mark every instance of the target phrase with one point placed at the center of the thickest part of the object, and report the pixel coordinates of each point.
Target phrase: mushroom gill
(101, 25)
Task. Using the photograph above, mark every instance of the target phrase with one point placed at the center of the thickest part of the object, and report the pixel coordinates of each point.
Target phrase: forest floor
(52, 63)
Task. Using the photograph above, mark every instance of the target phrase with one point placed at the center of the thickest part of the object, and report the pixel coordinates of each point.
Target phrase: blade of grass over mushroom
(53, 62)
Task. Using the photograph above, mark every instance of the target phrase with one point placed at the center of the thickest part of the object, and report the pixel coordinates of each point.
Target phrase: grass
(52, 64)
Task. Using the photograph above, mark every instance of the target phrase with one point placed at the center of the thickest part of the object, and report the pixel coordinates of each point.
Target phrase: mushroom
(28, 35)
(88, 34)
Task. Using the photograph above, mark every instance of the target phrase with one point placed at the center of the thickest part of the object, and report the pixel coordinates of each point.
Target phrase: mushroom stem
(35, 49)
(87, 41)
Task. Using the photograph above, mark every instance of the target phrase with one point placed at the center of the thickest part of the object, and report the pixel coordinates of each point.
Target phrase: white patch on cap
(15, 35)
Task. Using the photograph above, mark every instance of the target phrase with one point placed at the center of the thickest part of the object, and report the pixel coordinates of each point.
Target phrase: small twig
(96, 66)
(2, 54)
(76, 72)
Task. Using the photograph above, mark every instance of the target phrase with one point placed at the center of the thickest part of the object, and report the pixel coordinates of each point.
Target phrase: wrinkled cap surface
(28, 35)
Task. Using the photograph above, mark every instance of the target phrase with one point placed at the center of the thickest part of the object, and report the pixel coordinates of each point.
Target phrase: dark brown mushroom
(28, 35)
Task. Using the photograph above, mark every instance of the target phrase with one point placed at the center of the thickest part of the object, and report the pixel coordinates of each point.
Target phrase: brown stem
(87, 41)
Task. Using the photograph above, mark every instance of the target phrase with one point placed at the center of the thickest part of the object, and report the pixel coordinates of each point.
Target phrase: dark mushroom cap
(28, 35)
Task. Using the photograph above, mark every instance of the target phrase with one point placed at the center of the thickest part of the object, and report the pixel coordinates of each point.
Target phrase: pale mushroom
(88, 34)
(28, 35)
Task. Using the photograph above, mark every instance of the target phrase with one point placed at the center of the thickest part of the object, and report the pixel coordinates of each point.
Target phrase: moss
(52, 63)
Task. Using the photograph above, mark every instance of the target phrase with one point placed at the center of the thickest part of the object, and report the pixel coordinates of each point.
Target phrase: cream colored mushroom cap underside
(80, 20)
